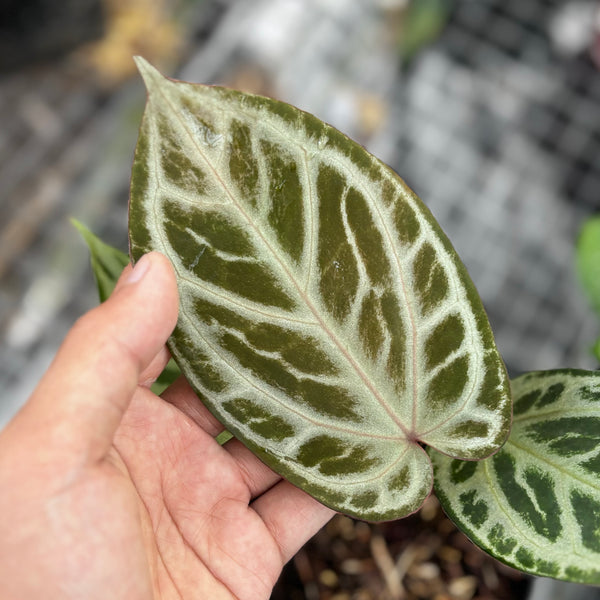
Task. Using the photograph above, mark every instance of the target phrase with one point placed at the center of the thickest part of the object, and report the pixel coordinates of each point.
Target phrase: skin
(108, 491)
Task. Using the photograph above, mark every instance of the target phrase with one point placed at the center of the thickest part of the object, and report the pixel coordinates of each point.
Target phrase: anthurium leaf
(108, 263)
(325, 318)
(535, 504)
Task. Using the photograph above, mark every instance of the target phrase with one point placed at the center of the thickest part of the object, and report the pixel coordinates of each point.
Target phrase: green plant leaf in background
(107, 264)
(535, 505)
(588, 265)
(169, 374)
(325, 318)
(423, 22)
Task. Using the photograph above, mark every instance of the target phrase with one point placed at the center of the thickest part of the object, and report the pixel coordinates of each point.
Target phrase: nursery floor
(422, 556)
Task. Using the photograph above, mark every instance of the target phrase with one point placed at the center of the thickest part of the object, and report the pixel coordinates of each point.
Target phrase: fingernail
(139, 270)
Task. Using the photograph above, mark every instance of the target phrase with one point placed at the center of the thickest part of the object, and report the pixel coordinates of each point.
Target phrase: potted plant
(327, 321)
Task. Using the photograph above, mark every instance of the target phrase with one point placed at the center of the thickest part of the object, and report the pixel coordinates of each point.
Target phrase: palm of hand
(167, 513)
(202, 539)
(111, 492)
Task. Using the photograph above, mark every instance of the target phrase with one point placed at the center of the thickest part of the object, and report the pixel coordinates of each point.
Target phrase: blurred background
(489, 109)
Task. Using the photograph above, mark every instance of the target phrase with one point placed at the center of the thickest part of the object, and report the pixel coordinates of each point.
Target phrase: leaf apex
(84, 231)
(150, 74)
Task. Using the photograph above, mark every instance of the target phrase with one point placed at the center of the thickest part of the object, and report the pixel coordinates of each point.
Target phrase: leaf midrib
(366, 380)
(544, 459)
(541, 415)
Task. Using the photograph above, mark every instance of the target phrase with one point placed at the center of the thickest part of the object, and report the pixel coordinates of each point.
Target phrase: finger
(257, 476)
(291, 516)
(80, 401)
(150, 374)
(181, 395)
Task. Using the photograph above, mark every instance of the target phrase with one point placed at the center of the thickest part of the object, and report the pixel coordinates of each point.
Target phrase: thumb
(79, 403)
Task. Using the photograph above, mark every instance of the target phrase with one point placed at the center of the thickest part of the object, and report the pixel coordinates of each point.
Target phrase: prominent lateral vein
(544, 459)
(275, 399)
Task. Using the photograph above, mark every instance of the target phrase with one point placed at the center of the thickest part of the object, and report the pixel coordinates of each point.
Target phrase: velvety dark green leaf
(325, 318)
(535, 504)
(107, 262)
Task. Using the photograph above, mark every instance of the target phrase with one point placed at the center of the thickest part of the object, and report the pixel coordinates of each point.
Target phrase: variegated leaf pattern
(325, 319)
(535, 504)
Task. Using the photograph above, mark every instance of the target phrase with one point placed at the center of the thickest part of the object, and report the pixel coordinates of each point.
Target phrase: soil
(420, 557)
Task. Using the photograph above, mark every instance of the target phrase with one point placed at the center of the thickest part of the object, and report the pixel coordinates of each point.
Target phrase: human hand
(108, 491)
